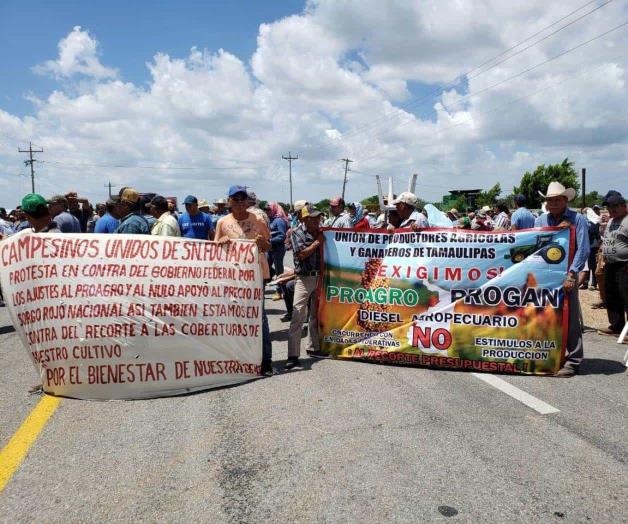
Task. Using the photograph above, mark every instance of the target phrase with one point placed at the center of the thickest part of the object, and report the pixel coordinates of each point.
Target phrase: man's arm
(583, 248)
(308, 251)
(211, 230)
(263, 236)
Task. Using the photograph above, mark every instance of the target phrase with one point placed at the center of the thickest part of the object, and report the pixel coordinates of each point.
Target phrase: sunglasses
(239, 197)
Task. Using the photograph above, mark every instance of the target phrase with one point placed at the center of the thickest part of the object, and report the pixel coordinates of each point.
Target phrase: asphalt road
(333, 442)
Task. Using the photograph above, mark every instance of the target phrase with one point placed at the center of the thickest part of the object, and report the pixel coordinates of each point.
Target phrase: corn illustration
(370, 280)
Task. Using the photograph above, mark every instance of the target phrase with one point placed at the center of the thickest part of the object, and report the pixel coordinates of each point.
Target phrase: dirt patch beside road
(593, 318)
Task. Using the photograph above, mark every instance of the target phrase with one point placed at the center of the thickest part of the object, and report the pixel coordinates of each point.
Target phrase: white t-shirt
(415, 218)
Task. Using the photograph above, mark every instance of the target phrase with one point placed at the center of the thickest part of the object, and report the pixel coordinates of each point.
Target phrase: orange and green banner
(447, 298)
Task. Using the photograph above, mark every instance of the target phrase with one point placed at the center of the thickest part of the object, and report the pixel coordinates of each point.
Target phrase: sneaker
(608, 332)
(276, 296)
(292, 362)
(592, 288)
(566, 372)
(598, 305)
(267, 369)
(286, 318)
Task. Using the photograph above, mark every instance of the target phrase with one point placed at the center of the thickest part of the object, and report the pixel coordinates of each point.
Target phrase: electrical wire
(529, 69)
(402, 110)
(167, 168)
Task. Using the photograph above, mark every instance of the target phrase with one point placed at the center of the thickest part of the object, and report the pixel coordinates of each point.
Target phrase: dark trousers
(267, 346)
(616, 284)
(275, 259)
(287, 291)
(593, 265)
(574, 350)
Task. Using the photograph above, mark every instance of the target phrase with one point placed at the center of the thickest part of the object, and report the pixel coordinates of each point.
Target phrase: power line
(541, 40)
(31, 161)
(508, 104)
(538, 41)
(167, 168)
(536, 66)
(457, 79)
(290, 158)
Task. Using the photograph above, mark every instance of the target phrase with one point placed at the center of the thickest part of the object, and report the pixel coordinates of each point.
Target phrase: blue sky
(129, 32)
(344, 78)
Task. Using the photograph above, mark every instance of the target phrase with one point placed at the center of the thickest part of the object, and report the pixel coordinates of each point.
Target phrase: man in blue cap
(242, 224)
(194, 223)
(615, 251)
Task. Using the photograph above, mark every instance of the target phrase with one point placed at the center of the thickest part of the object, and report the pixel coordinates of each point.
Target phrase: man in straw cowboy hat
(559, 214)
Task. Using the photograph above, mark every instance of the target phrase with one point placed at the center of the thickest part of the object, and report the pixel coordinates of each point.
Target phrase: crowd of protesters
(601, 251)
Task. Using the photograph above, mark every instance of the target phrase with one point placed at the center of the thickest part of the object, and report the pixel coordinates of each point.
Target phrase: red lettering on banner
(473, 274)
(126, 373)
(181, 369)
(131, 248)
(55, 377)
(452, 273)
(224, 367)
(439, 338)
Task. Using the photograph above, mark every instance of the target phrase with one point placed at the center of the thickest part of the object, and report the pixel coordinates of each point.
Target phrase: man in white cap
(559, 214)
(295, 216)
(406, 205)
(254, 207)
(221, 210)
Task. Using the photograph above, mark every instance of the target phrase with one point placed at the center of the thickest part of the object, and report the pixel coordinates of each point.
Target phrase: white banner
(134, 316)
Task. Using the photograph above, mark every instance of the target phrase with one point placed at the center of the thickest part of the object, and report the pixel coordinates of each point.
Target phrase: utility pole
(110, 185)
(584, 187)
(344, 182)
(290, 158)
(30, 162)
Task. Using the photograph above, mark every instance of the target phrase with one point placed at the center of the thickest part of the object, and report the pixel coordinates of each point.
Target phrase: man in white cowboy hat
(559, 214)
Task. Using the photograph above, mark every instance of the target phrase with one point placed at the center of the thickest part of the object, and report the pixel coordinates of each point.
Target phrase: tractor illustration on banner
(550, 251)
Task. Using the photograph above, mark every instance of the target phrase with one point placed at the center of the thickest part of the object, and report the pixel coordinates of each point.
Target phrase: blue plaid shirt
(582, 235)
(133, 224)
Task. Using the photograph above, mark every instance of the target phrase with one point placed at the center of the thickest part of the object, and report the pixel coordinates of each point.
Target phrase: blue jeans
(275, 259)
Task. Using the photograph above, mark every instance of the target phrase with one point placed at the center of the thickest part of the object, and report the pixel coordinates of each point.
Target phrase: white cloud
(78, 54)
(336, 81)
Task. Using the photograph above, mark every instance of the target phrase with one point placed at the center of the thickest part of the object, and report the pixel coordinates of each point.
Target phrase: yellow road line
(16, 450)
